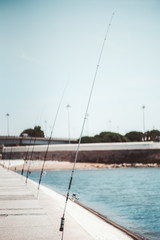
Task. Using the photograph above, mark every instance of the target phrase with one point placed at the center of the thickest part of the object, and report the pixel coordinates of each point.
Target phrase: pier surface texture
(27, 215)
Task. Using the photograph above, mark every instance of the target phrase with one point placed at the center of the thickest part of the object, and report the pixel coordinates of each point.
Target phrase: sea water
(127, 196)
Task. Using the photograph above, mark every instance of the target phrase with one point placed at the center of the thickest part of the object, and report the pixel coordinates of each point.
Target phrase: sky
(52, 45)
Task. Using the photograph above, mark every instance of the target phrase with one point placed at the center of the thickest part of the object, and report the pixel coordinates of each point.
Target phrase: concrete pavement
(23, 216)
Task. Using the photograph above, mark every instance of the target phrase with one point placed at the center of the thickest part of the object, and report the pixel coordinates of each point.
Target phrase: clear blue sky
(45, 44)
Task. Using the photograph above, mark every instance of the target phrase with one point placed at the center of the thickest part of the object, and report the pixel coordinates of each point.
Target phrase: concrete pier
(27, 215)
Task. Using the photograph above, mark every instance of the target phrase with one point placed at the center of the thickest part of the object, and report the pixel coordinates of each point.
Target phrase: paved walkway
(24, 216)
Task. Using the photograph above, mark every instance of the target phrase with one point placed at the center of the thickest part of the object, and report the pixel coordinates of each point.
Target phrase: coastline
(78, 215)
(94, 223)
(111, 154)
(36, 165)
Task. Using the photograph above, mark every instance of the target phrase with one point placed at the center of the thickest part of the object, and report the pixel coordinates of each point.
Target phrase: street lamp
(68, 106)
(143, 108)
(7, 115)
(45, 128)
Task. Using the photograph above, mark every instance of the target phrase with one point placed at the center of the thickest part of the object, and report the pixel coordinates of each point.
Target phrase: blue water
(129, 197)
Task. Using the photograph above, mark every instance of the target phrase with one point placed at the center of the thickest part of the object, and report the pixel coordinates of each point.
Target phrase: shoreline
(31, 213)
(78, 216)
(75, 207)
(36, 165)
(114, 224)
(112, 154)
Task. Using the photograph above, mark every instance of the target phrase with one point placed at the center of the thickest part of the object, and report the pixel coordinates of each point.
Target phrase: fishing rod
(4, 151)
(45, 156)
(26, 156)
(29, 165)
(30, 159)
(85, 117)
(11, 151)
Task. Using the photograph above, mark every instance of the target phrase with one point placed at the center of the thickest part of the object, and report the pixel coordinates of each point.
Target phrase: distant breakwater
(108, 153)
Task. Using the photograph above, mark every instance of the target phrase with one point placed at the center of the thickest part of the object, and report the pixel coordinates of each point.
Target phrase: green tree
(105, 137)
(112, 137)
(36, 132)
(86, 139)
(134, 136)
(153, 135)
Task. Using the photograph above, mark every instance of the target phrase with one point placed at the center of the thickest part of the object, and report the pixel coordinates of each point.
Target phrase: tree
(112, 137)
(134, 136)
(86, 139)
(36, 132)
(153, 135)
(105, 137)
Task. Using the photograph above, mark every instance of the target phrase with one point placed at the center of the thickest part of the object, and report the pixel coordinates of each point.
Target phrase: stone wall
(104, 156)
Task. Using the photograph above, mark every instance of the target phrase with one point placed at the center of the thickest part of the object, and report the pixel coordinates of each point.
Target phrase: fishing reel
(44, 173)
(74, 197)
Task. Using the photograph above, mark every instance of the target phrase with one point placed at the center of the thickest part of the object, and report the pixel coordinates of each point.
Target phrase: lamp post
(143, 108)
(68, 106)
(45, 128)
(7, 115)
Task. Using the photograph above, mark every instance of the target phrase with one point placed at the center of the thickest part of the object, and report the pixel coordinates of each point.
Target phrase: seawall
(108, 153)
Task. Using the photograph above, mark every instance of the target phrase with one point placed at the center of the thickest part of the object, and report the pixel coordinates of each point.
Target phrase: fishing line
(26, 156)
(4, 151)
(30, 160)
(11, 151)
(8, 153)
(29, 165)
(85, 117)
(45, 157)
